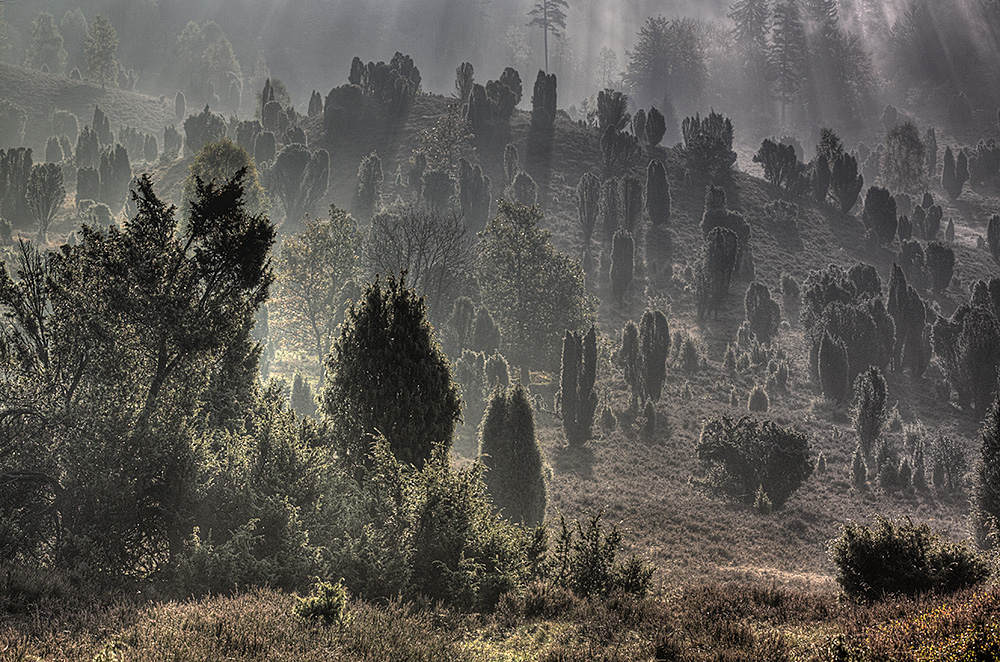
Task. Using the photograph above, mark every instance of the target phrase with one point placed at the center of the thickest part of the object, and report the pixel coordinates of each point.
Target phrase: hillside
(728, 578)
(38, 93)
(645, 484)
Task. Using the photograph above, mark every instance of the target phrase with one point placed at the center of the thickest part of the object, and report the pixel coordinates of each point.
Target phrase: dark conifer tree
(578, 401)
(386, 374)
(788, 51)
(512, 458)
(654, 347)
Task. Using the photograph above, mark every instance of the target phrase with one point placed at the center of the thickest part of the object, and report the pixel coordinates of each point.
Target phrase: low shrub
(899, 557)
(327, 602)
(744, 455)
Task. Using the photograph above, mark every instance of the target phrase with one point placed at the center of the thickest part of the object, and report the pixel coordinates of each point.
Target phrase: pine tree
(46, 48)
(578, 401)
(512, 458)
(387, 375)
(550, 17)
(752, 19)
(102, 43)
(788, 53)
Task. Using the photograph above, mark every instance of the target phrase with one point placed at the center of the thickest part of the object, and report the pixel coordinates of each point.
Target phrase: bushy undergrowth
(899, 557)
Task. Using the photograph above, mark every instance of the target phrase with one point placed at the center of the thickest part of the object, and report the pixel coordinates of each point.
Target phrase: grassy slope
(645, 484)
(39, 93)
(694, 538)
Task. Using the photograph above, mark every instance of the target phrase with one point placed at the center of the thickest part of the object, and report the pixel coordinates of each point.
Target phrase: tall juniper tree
(578, 401)
(387, 375)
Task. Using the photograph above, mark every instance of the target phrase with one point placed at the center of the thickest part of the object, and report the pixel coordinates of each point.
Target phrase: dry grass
(39, 93)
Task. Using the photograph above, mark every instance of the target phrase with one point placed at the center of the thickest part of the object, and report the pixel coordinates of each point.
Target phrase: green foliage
(859, 469)
(15, 172)
(302, 400)
(656, 126)
(386, 374)
(116, 175)
(543, 101)
(588, 200)
(578, 401)
(668, 55)
(899, 557)
(993, 237)
(45, 195)
(393, 85)
(534, 292)
(474, 195)
(465, 78)
(869, 408)
(438, 189)
(628, 360)
(46, 49)
(954, 175)
(326, 602)
(127, 472)
(218, 161)
(654, 348)
(742, 456)
(585, 561)
(511, 457)
(708, 143)
(489, 109)
(171, 143)
(912, 348)
(951, 462)
(968, 347)
(612, 110)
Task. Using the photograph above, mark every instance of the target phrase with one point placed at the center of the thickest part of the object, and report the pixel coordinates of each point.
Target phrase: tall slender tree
(788, 53)
(752, 19)
(102, 43)
(550, 17)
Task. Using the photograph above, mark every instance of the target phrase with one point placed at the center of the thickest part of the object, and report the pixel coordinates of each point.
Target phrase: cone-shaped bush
(510, 454)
